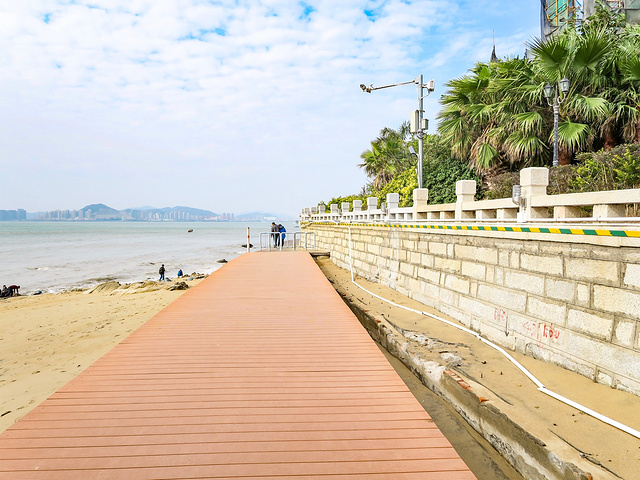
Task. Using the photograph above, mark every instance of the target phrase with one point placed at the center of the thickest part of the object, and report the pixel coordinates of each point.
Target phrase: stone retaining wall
(569, 303)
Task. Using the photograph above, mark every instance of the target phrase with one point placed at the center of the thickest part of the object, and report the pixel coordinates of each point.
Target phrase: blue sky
(231, 105)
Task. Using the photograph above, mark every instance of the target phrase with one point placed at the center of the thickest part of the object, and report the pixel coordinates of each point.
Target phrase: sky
(230, 106)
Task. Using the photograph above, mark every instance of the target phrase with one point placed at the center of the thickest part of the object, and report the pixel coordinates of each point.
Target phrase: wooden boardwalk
(259, 372)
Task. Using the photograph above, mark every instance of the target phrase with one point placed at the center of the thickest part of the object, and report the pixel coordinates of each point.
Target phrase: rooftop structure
(555, 15)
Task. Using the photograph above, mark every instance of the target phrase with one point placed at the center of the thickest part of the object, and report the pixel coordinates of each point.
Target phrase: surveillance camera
(431, 85)
(365, 88)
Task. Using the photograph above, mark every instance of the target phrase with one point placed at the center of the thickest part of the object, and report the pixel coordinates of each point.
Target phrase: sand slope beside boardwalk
(47, 340)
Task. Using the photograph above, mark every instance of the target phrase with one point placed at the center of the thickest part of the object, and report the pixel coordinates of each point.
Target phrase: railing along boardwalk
(260, 371)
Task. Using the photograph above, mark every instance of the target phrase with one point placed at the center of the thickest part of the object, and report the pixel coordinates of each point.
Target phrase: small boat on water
(190, 230)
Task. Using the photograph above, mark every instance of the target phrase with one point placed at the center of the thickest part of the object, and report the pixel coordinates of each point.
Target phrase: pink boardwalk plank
(259, 372)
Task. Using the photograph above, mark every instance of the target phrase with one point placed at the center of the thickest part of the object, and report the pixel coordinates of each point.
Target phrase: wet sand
(46, 340)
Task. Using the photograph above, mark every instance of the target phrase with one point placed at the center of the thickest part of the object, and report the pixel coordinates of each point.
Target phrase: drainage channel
(481, 458)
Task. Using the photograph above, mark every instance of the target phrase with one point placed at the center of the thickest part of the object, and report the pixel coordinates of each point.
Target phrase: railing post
(465, 192)
(420, 200)
(609, 211)
(534, 182)
(357, 209)
(393, 200)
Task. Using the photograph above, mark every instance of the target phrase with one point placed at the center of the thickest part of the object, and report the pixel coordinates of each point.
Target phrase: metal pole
(420, 132)
(248, 240)
(556, 108)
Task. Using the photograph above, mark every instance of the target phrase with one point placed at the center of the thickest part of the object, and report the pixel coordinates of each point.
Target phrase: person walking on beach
(161, 272)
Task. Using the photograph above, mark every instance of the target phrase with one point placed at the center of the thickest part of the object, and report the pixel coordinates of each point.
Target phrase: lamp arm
(389, 86)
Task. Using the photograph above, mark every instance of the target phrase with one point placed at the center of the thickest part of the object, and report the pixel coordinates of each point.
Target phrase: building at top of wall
(555, 15)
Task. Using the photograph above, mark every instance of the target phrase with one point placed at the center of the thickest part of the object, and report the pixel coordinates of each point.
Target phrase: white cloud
(144, 99)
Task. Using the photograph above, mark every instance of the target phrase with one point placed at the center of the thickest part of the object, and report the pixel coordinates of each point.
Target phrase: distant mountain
(95, 207)
(100, 211)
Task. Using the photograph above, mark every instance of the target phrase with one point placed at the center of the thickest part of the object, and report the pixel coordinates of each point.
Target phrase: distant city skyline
(237, 105)
(98, 213)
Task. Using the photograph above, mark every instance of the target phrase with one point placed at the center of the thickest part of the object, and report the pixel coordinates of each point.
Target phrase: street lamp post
(419, 125)
(549, 92)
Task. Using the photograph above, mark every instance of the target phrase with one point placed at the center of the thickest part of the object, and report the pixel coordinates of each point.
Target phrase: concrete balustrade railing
(533, 204)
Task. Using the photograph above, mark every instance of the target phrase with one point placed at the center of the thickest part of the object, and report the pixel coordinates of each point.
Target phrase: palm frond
(589, 108)
(486, 157)
(527, 122)
(525, 147)
(573, 136)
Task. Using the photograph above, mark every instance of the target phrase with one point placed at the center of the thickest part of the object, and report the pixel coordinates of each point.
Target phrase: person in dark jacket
(281, 229)
(274, 234)
(161, 272)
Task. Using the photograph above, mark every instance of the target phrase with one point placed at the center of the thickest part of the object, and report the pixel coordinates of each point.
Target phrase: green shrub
(339, 200)
(501, 185)
(440, 176)
(403, 184)
(616, 169)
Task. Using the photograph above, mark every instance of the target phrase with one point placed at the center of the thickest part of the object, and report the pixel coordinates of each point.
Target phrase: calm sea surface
(58, 256)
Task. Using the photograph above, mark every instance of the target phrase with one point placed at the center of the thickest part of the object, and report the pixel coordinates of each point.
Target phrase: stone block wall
(572, 304)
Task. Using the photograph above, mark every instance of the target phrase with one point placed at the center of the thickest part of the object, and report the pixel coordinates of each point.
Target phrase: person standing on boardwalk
(274, 234)
(281, 236)
(161, 272)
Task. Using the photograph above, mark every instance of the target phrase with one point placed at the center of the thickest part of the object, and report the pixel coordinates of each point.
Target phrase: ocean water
(59, 256)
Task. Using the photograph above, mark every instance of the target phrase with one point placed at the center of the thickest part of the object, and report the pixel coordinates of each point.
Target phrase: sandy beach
(46, 340)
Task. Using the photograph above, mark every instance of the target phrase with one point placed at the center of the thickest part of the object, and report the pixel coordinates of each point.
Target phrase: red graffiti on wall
(542, 330)
(500, 315)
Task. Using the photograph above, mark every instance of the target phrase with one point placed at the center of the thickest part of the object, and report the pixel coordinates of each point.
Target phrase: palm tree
(582, 59)
(487, 117)
(496, 115)
(387, 156)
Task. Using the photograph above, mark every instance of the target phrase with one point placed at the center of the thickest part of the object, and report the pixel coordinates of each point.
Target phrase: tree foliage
(497, 115)
(388, 155)
(439, 174)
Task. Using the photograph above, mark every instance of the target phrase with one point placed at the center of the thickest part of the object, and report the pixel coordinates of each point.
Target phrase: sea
(52, 257)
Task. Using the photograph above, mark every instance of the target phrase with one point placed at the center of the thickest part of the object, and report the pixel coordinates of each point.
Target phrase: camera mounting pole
(419, 125)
